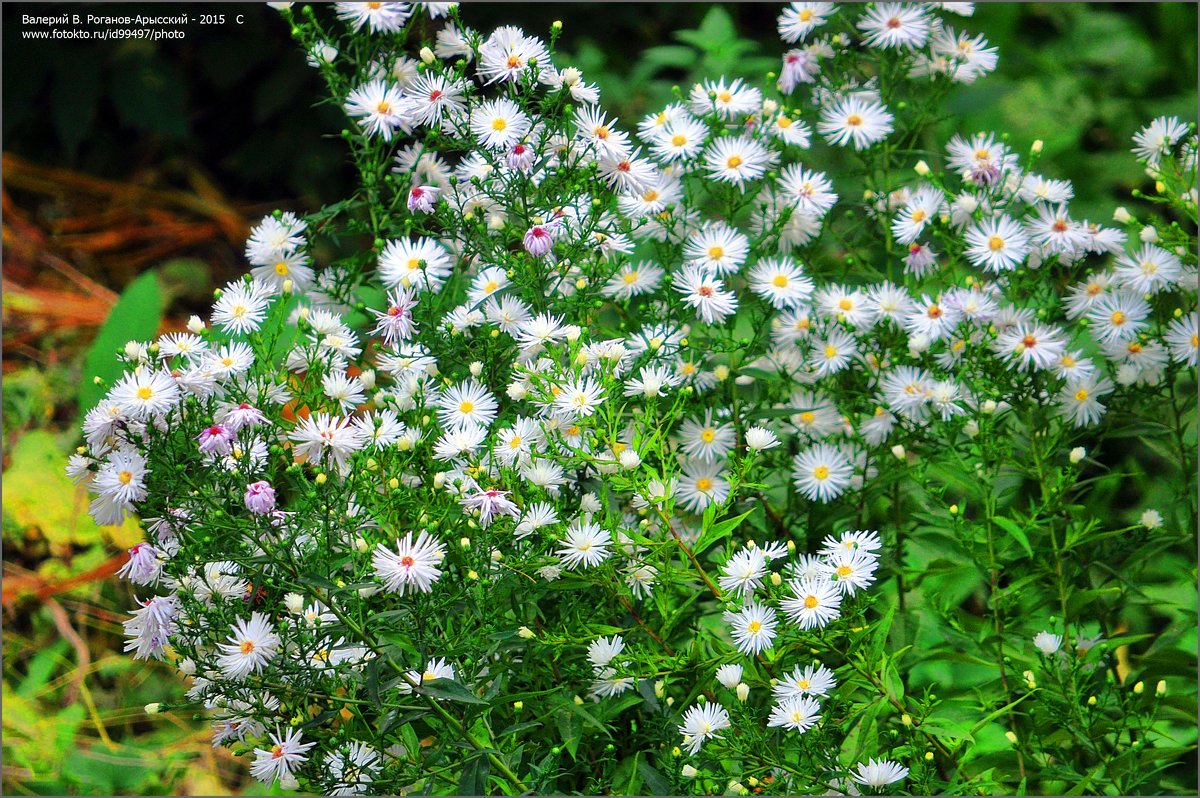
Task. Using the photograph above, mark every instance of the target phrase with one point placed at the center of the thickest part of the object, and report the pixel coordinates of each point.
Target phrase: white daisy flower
(412, 567)
(1149, 270)
(781, 282)
(252, 644)
(706, 293)
(380, 107)
(586, 545)
(753, 628)
(700, 485)
(700, 723)
(499, 124)
(879, 773)
(814, 680)
(856, 120)
(797, 713)
(814, 602)
(894, 25)
(418, 263)
(822, 473)
(800, 19)
(287, 752)
(997, 244)
(737, 160)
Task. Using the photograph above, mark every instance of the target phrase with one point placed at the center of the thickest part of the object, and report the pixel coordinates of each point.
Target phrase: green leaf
(473, 780)
(135, 317)
(449, 690)
(714, 532)
(1014, 529)
(654, 781)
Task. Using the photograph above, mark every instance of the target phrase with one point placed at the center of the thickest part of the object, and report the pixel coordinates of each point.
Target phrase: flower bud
(1091, 702)
(518, 705)
(1012, 738)
(1139, 688)
(497, 555)
(427, 55)
(394, 483)
(556, 25)
(321, 479)
(629, 459)
(288, 286)
(1077, 454)
(929, 756)
(688, 771)
(1160, 689)
(526, 633)
(1122, 216)
(921, 168)
(294, 603)
(1037, 146)
(473, 575)
(465, 543)
(721, 372)
(743, 691)
(578, 701)
(1149, 234)
(360, 543)
(906, 719)
(954, 509)
(153, 709)
(776, 579)
(898, 452)
(989, 406)
(195, 326)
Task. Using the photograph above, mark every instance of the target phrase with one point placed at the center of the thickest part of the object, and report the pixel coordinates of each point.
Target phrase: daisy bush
(577, 454)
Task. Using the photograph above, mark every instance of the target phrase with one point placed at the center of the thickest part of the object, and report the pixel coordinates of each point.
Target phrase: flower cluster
(569, 358)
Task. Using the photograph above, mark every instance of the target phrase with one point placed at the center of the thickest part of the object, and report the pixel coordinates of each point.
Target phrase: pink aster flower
(490, 503)
(260, 497)
(539, 239)
(423, 198)
(217, 439)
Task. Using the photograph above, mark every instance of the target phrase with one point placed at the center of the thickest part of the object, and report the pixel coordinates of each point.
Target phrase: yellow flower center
(281, 268)
(708, 435)
(145, 393)
(704, 484)
(650, 195)
(821, 472)
(630, 277)
(830, 352)
(780, 281)
(499, 124)
(754, 627)
(734, 161)
(247, 646)
(845, 304)
(466, 407)
(854, 120)
(716, 252)
(811, 602)
(806, 15)
(844, 570)
(995, 243)
(678, 140)
(1081, 394)
(1118, 317)
(126, 477)
(784, 122)
(724, 96)
(919, 215)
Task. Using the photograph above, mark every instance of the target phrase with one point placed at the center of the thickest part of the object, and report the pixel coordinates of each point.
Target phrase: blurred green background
(128, 157)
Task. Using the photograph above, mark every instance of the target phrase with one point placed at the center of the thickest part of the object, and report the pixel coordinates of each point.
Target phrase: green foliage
(135, 317)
